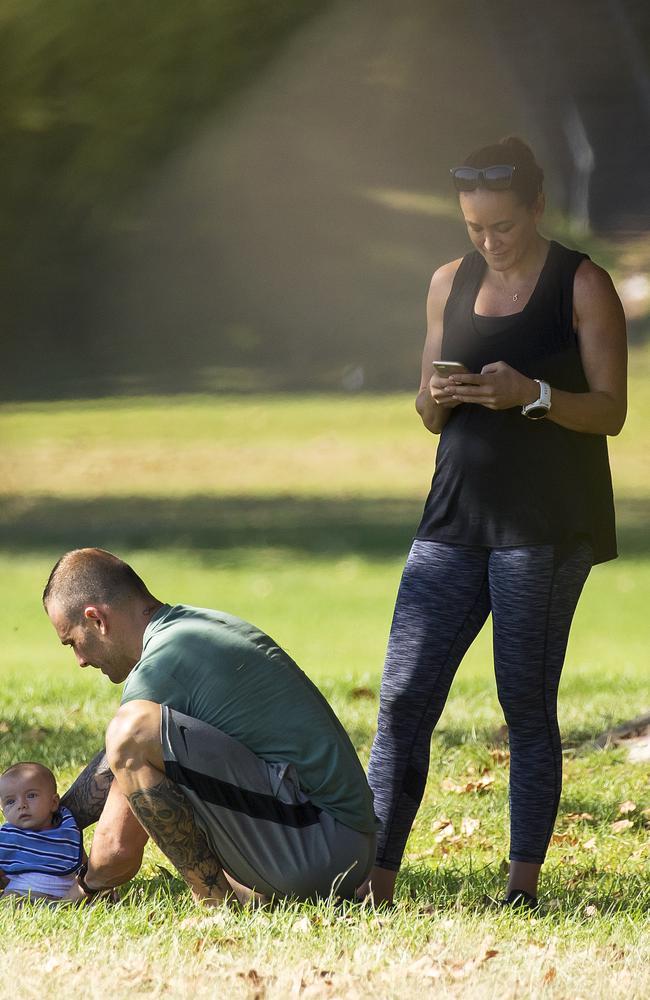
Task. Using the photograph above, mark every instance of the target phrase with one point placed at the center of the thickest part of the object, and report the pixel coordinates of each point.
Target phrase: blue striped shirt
(57, 851)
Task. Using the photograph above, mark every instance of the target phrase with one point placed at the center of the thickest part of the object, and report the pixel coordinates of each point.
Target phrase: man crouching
(223, 751)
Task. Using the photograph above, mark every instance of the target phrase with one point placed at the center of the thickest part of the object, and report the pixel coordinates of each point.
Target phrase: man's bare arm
(87, 796)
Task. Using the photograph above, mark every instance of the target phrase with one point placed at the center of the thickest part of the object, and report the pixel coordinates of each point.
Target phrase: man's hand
(498, 387)
(75, 894)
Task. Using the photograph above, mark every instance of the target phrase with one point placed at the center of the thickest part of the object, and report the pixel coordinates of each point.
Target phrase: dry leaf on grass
(620, 825)
(460, 970)
(482, 783)
(550, 975)
(590, 845)
(573, 817)
(252, 976)
(500, 756)
(627, 807)
(432, 968)
(474, 785)
(443, 829)
(469, 826)
(362, 694)
(564, 838)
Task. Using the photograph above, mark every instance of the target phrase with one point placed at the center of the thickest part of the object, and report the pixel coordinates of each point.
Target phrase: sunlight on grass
(297, 515)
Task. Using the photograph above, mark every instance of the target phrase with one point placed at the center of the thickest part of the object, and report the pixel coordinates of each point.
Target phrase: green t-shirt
(217, 668)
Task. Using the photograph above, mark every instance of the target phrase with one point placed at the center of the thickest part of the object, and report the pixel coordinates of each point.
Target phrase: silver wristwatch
(540, 406)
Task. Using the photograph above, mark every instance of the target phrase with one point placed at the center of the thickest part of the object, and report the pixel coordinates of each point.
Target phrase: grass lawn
(297, 513)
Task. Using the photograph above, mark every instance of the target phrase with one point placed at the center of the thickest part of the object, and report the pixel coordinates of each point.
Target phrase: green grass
(297, 514)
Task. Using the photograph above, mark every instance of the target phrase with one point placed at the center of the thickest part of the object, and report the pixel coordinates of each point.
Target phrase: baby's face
(27, 800)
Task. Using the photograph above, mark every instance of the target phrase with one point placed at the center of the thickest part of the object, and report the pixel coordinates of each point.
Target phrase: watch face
(537, 412)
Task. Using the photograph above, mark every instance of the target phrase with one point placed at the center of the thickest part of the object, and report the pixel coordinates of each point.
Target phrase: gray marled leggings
(446, 594)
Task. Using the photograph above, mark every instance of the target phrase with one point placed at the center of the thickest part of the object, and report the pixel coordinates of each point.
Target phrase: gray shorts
(263, 829)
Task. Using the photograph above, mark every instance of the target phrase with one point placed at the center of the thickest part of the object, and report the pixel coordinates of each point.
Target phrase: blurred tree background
(94, 97)
(236, 193)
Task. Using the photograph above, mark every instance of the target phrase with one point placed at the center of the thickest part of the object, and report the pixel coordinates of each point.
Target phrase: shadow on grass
(570, 889)
(314, 526)
(372, 527)
(58, 747)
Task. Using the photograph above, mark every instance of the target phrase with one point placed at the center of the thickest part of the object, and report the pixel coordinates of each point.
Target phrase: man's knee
(133, 735)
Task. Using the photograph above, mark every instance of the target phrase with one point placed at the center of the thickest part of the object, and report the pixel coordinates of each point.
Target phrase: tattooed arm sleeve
(167, 816)
(86, 797)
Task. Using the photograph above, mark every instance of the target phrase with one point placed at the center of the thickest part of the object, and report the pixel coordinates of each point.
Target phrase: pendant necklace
(515, 296)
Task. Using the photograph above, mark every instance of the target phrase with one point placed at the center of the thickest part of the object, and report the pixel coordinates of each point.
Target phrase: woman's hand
(441, 392)
(498, 387)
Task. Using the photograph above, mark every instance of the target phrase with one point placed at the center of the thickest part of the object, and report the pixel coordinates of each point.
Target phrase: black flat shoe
(519, 899)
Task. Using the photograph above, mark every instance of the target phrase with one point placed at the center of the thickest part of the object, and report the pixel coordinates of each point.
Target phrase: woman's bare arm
(433, 406)
(600, 323)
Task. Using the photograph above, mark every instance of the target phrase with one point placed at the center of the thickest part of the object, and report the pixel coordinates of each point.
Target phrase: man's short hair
(91, 576)
(31, 765)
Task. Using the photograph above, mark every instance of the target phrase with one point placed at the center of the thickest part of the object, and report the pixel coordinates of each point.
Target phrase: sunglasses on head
(495, 178)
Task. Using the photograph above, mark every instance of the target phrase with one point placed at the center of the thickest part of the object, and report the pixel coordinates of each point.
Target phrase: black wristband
(85, 888)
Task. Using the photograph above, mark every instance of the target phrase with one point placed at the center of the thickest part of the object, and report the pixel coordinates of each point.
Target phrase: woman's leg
(534, 592)
(441, 605)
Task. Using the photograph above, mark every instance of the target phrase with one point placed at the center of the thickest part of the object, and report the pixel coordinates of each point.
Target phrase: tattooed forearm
(167, 817)
(87, 796)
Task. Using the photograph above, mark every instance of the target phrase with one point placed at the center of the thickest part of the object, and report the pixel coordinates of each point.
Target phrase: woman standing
(520, 505)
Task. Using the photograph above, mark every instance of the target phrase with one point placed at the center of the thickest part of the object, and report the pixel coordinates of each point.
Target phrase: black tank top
(501, 479)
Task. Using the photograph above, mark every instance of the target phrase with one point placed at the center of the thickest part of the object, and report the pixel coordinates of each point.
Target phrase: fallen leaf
(500, 756)
(253, 977)
(627, 807)
(590, 845)
(480, 784)
(469, 826)
(591, 910)
(361, 693)
(53, 964)
(484, 782)
(425, 966)
(438, 824)
(564, 838)
(460, 970)
(550, 975)
(621, 824)
(444, 833)
(573, 817)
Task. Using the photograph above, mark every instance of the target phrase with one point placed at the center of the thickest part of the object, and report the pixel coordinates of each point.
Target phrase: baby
(40, 844)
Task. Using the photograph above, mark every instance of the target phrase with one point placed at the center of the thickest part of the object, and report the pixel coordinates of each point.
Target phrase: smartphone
(446, 368)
